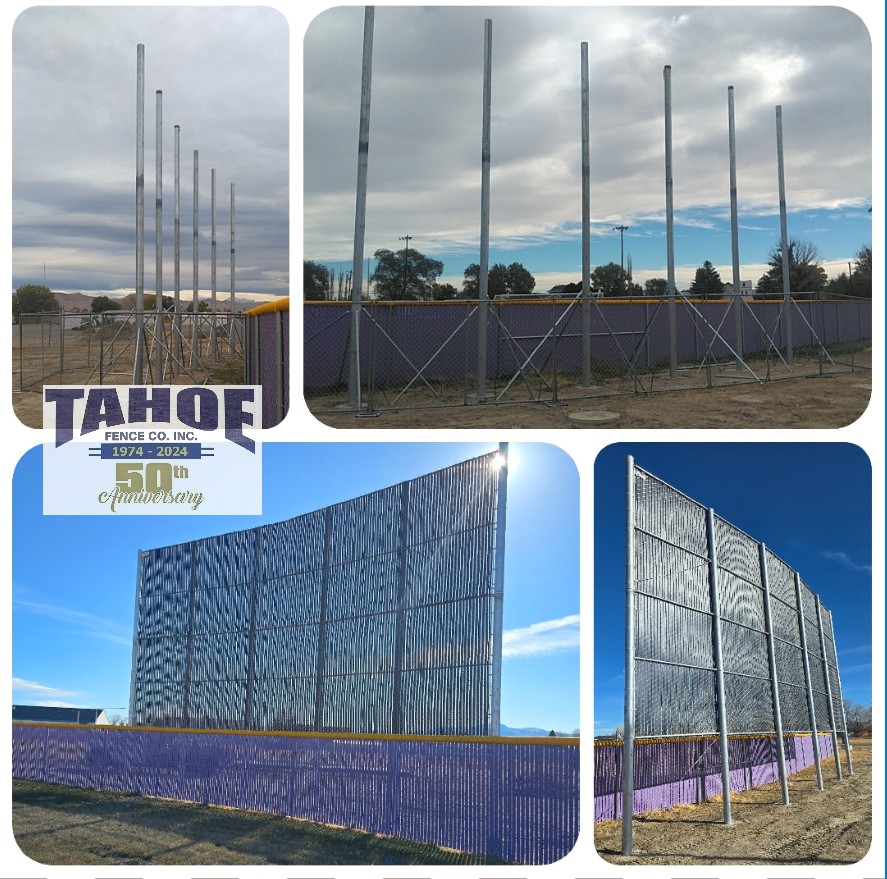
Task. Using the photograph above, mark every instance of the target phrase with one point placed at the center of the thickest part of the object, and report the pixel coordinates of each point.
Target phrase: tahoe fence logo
(158, 450)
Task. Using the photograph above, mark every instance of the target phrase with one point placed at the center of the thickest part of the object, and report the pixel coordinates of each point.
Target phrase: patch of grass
(56, 824)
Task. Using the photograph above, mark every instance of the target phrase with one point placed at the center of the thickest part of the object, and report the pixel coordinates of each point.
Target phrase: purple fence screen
(399, 339)
(515, 801)
(668, 773)
(266, 359)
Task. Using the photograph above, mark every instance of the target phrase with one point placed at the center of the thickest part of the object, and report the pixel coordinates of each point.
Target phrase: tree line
(409, 275)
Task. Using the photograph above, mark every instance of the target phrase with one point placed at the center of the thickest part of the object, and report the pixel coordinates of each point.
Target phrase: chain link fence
(84, 349)
(102, 349)
(388, 355)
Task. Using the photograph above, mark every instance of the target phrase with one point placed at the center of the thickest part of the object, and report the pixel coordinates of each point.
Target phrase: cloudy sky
(224, 74)
(426, 119)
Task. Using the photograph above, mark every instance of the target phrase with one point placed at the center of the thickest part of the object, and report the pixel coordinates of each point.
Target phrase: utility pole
(621, 231)
(406, 256)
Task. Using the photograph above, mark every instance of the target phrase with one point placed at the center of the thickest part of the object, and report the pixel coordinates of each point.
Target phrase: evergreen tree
(707, 283)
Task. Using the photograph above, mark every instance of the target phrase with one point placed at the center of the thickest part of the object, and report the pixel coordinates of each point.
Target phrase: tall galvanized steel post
(231, 309)
(840, 696)
(213, 349)
(363, 152)
(719, 662)
(628, 722)
(669, 230)
(498, 593)
(828, 688)
(783, 237)
(586, 226)
(195, 331)
(483, 273)
(811, 710)
(135, 640)
(138, 368)
(734, 231)
(158, 245)
(177, 251)
(774, 680)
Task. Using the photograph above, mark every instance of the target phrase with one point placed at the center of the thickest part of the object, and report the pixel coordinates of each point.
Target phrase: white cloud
(844, 560)
(539, 639)
(42, 694)
(84, 624)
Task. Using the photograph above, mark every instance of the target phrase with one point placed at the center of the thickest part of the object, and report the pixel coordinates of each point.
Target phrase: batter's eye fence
(723, 641)
(374, 615)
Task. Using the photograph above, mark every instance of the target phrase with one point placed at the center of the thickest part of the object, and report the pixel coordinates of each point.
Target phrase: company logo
(152, 450)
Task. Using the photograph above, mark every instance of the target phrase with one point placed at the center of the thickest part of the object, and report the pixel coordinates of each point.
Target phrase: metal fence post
(669, 230)
(828, 688)
(363, 154)
(498, 594)
(719, 663)
(783, 225)
(810, 706)
(403, 540)
(483, 293)
(734, 231)
(320, 660)
(841, 696)
(628, 722)
(249, 719)
(774, 682)
(189, 644)
(586, 225)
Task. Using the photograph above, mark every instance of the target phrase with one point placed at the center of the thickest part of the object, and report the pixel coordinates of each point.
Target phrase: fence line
(671, 772)
(424, 354)
(722, 638)
(517, 801)
(81, 348)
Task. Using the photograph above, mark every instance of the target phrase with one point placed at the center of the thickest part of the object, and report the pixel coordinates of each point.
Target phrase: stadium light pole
(621, 230)
(406, 257)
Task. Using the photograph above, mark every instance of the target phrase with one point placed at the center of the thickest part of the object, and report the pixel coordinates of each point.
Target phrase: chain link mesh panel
(426, 354)
(373, 615)
(675, 632)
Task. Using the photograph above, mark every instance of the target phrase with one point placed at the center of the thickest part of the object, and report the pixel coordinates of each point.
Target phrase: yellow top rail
(562, 741)
(609, 743)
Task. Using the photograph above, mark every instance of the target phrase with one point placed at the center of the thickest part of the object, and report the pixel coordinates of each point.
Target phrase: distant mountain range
(528, 731)
(83, 302)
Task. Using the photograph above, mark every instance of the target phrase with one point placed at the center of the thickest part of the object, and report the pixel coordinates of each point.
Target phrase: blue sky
(810, 503)
(424, 166)
(74, 577)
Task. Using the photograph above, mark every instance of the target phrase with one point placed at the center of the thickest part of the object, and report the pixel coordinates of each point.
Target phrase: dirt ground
(827, 827)
(807, 400)
(54, 824)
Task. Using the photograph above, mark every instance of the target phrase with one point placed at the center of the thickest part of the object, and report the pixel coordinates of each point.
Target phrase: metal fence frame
(721, 627)
(186, 345)
(515, 799)
(687, 770)
(382, 614)
(427, 354)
